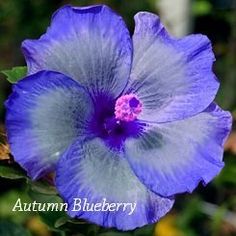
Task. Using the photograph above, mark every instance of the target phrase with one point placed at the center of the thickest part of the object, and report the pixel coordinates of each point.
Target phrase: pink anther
(128, 107)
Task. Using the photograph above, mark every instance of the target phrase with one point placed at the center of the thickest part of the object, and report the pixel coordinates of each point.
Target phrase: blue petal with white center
(94, 172)
(45, 113)
(126, 122)
(89, 44)
(173, 78)
(174, 157)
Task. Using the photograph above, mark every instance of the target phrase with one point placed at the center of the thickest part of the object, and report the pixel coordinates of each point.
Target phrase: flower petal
(93, 172)
(174, 157)
(45, 113)
(89, 44)
(172, 77)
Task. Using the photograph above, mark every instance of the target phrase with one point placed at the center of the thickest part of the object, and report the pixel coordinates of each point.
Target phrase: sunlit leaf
(8, 201)
(167, 226)
(15, 74)
(201, 7)
(37, 227)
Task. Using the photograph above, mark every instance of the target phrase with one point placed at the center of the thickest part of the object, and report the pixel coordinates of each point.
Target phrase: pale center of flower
(128, 107)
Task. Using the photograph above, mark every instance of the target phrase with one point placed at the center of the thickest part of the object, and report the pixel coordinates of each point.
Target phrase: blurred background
(209, 211)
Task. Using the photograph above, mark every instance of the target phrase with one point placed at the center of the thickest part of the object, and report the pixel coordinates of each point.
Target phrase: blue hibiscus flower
(129, 120)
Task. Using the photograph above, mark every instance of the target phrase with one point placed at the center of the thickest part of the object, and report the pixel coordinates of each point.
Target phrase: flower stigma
(128, 107)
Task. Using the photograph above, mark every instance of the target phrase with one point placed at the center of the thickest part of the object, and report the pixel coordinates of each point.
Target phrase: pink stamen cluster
(128, 107)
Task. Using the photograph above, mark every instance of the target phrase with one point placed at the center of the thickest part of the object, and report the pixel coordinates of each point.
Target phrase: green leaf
(50, 217)
(201, 7)
(217, 220)
(42, 187)
(12, 172)
(15, 74)
(146, 230)
(60, 221)
(93, 230)
(114, 234)
(7, 202)
(227, 176)
(8, 228)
